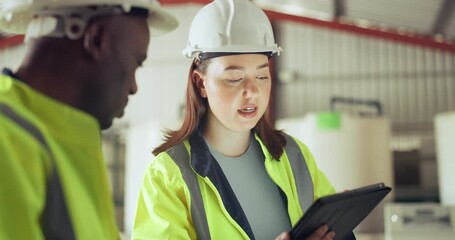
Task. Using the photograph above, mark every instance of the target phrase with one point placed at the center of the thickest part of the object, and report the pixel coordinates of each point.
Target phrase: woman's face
(237, 88)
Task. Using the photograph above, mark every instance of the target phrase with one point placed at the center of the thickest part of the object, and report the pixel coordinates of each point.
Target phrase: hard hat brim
(192, 52)
(159, 21)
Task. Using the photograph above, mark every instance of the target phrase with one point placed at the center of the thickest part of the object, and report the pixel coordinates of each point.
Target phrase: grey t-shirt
(258, 195)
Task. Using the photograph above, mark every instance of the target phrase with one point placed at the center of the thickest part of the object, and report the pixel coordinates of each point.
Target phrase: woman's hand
(322, 233)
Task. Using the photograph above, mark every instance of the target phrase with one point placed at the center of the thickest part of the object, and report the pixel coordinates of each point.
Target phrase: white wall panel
(411, 82)
(449, 61)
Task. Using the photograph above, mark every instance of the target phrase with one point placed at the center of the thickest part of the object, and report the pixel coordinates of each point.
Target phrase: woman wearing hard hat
(227, 173)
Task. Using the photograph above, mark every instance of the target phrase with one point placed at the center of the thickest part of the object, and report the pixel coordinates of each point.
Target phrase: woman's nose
(251, 87)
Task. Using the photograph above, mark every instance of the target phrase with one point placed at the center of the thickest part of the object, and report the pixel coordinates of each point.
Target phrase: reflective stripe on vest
(182, 159)
(302, 178)
(56, 222)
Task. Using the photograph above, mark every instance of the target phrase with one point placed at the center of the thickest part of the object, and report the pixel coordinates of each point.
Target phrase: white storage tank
(353, 151)
(445, 150)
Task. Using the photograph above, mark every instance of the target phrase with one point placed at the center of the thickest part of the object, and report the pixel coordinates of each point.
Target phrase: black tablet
(342, 212)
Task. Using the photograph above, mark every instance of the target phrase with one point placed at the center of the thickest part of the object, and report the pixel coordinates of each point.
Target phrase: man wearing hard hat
(75, 79)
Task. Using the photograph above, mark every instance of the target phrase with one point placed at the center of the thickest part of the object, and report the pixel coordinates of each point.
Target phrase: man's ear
(199, 82)
(95, 39)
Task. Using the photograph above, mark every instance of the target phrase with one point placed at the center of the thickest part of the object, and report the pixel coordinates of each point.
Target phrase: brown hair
(196, 111)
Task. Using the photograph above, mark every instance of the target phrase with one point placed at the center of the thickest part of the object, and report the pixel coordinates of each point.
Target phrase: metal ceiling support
(446, 12)
(393, 35)
(423, 41)
(339, 7)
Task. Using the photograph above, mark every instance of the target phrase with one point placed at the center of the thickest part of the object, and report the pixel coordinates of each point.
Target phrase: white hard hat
(230, 26)
(17, 16)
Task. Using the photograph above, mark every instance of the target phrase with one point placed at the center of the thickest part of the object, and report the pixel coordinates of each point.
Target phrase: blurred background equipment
(419, 221)
(351, 146)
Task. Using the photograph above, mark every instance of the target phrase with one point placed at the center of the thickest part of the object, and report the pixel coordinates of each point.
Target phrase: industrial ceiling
(425, 22)
(421, 17)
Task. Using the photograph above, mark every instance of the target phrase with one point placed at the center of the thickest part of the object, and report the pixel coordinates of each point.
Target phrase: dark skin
(94, 74)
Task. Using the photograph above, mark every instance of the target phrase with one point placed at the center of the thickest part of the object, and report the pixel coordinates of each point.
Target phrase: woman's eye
(233, 80)
(262, 77)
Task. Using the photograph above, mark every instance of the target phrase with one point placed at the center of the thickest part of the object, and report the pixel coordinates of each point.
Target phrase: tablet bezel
(342, 212)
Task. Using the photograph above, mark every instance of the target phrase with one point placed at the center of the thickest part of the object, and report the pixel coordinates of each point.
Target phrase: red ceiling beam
(424, 41)
(11, 41)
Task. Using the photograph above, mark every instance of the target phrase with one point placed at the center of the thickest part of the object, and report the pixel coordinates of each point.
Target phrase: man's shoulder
(18, 122)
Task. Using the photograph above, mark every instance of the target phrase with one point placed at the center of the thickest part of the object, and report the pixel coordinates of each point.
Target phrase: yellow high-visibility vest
(41, 138)
(182, 193)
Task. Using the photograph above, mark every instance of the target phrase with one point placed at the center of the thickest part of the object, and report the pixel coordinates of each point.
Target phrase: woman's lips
(248, 112)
